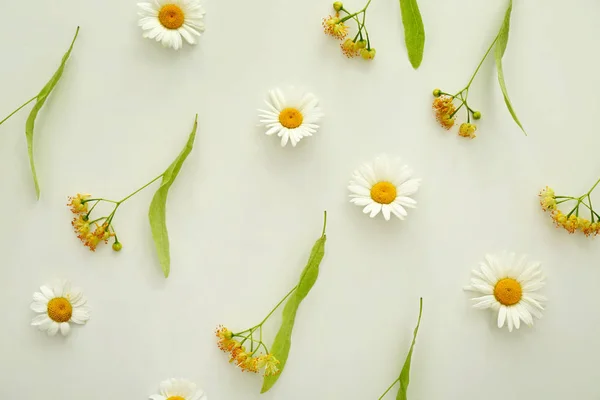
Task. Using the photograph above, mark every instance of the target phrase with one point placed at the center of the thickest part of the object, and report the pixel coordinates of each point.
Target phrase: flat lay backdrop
(244, 212)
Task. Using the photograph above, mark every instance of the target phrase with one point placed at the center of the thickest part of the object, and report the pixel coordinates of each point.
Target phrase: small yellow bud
(476, 115)
(117, 246)
(361, 44)
(367, 54)
(437, 92)
(338, 5)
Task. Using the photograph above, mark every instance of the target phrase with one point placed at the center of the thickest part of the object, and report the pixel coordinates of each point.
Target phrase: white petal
(80, 315)
(363, 191)
(361, 201)
(46, 291)
(40, 320)
(516, 317)
(502, 316)
(509, 318)
(484, 302)
(65, 328)
(406, 202)
(40, 298)
(524, 314)
(157, 397)
(39, 307)
(375, 209)
(385, 210)
(409, 187)
(53, 329)
(398, 211)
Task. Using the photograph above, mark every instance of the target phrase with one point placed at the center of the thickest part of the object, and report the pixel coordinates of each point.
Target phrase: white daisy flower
(509, 286)
(385, 186)
(179, 389)
(59, 305)
(292, 115)
(167, 21)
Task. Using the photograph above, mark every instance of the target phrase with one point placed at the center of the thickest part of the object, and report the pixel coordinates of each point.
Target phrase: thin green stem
(92, 209)
(594, 187)
(388, 389)
(17, 110)
(481, 62)
(140, 189)
(277, 306)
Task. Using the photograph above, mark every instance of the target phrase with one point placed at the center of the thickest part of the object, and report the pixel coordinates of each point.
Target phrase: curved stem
(14, 112)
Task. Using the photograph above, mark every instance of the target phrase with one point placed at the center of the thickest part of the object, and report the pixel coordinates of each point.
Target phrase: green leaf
(283, 340)
(414, 31)
(158, 208)
(501, 42)
(405, 373)
(40, 100)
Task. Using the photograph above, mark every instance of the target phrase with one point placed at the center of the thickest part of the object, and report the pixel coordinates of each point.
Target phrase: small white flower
(292, 115)
(179, 389)
(58, 305)
(509, 286)
(385, 186)
(167, 21)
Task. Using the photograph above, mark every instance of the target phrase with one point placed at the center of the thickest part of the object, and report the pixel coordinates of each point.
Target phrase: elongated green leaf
(499, 50)
(158, 208)
(405, 373)
(283, 340)
(414, 31)
(41, 99)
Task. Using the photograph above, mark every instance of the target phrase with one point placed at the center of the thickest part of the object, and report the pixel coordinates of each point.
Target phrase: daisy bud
(437, 92)
(338, 5)
(117, 246)
(476, 115)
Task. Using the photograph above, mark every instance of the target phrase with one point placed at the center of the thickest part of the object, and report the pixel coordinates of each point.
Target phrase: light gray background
(244, 212)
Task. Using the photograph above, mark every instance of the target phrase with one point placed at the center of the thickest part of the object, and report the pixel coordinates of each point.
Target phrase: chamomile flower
(384, 185)
(59, 305)
(509, 286)
(178, 389)
(292, 115)
(168, 21)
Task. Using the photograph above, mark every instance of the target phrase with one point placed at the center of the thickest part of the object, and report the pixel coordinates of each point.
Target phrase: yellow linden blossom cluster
(445, 113)
(571, 222)
(250, 361)
(83, 227)
(335, 26)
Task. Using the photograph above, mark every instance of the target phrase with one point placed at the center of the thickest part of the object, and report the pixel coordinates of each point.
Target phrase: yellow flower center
(508, 291)
(60, 309)
(383, 192)
(175, 398)
(291, 118)
(171, 16)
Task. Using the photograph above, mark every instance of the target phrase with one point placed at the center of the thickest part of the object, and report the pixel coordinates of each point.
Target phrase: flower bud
(437, 92)
(367, 54)
(361, 44)
(338, 5)
(476, 115)
(117, 246)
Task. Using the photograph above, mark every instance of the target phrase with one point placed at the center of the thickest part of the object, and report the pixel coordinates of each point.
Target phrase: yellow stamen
(171, 16)
(383, 192)
(508, 291)
(60, 309)
(175, 398)
(291, 118)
